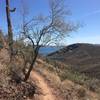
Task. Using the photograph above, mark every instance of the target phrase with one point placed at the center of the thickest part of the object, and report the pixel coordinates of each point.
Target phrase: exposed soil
(42, 84)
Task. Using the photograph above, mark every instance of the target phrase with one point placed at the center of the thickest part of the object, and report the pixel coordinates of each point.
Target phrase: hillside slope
(82, 57)
(66, 89)
(49, 83)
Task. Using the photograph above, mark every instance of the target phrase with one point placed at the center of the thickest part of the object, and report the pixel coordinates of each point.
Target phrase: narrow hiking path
(42, 84)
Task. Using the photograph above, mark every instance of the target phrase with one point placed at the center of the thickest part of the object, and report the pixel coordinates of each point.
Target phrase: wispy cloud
(91, 13)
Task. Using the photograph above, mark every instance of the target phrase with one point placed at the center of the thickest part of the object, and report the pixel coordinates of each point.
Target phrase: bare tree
(47, 30)
(10, 32)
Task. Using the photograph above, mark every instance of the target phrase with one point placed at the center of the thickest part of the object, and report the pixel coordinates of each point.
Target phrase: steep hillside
(66, 84)
(82, 57)
(44, 84)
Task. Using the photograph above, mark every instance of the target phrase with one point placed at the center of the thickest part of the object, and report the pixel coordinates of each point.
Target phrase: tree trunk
(30, 68)
(10, 33)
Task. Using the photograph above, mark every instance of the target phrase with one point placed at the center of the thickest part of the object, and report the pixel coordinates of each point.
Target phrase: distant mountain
(82, 57)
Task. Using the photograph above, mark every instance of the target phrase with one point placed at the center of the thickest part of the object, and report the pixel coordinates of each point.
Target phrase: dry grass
(65, 72)
(68, 90)
(10, 74)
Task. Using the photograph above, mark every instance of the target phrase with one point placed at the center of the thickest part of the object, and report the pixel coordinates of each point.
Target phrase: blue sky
(86, 12)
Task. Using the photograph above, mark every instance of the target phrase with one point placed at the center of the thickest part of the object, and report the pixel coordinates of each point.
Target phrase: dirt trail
(41, 83)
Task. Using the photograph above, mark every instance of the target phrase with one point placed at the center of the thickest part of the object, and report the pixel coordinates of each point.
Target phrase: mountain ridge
(82, 57)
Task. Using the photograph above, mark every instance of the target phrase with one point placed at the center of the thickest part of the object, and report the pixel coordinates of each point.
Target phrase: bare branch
(47, 30)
